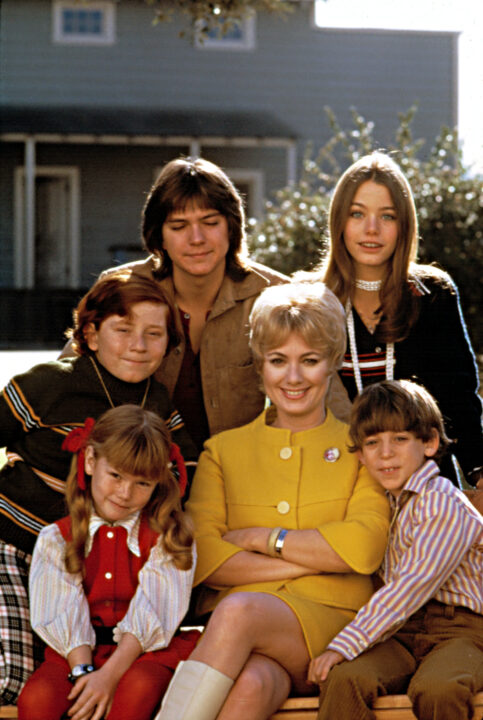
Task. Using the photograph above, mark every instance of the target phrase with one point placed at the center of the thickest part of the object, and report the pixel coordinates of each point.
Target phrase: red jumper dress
(111, 578)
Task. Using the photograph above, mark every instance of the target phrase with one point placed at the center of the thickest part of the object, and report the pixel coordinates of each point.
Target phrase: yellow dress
(258, 475)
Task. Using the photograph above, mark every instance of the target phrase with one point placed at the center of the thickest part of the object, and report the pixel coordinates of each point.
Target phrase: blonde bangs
(310, 310)
(136, 456)
(134, 441)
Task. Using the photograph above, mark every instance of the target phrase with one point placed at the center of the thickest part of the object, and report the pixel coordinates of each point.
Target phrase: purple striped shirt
(434, 552)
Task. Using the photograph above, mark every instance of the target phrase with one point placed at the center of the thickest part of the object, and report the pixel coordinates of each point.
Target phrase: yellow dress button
(283, 507)
(110, 534)
(108, 576)
(286, 453)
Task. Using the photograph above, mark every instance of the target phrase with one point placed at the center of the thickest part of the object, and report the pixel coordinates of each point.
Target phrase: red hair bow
(175, 455)
(76, 442)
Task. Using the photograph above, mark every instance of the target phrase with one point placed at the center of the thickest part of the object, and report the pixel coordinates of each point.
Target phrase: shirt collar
(233, 291)
(416, 483)
(131, 525)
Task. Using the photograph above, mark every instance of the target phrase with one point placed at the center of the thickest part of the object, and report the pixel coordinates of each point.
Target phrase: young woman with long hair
(404, 319)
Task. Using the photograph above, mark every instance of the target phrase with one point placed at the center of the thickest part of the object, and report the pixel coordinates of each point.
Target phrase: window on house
(241, 36)
(84, 22)
(250, 184)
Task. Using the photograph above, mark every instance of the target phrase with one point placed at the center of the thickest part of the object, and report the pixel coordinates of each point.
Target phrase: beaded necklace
(390, 360)
(368, 285)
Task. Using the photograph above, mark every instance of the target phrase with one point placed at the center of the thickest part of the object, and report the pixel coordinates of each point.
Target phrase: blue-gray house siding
(284, 83)
(294, 70)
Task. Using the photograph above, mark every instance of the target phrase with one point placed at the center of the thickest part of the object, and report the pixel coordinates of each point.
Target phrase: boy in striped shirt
(422, 631)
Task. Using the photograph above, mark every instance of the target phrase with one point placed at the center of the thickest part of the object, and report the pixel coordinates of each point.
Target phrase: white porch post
(292, 163)
(27, 259)
(195, 149)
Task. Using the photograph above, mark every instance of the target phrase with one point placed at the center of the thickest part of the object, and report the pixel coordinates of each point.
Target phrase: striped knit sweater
(37, 410)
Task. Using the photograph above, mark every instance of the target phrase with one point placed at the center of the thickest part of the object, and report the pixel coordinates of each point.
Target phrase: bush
(292, 236)
(203, 16)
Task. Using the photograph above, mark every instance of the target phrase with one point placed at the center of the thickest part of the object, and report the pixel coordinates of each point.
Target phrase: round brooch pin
(332, 454)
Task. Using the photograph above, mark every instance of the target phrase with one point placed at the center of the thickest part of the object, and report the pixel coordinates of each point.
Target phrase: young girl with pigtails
(110, 583)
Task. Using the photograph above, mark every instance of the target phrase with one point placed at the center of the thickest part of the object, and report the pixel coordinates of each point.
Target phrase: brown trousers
(436, 658)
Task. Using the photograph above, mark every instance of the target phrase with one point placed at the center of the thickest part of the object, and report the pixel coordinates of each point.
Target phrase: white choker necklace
(390, 361)
(370, 285)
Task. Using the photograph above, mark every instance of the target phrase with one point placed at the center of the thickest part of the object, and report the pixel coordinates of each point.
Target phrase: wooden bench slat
(8, 711)
(391, 707)
(300, 702)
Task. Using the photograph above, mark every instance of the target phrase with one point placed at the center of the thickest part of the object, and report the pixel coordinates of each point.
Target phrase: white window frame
(224, 42)
(24, 253)
(255, 179)
(107, 7)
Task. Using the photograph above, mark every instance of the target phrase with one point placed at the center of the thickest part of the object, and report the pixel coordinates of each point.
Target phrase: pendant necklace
(94, 364)
(355, 357)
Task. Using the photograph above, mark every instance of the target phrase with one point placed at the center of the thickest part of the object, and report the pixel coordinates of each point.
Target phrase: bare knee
(236, 614)
(259, 684)
(258, 692)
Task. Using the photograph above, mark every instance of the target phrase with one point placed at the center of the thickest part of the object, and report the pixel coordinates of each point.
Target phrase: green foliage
(292, 236)
(221, 15)
(289, 238)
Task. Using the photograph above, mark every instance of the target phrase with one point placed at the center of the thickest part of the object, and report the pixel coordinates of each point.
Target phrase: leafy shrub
(221, 15)
(292, 235)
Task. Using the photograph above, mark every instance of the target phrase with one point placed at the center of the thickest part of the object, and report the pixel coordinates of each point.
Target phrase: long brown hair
(399, 307)
(137, 442)
(184, 181)
(114, 294)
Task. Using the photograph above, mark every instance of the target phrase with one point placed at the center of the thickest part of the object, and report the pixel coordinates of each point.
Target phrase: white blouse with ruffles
(59, 609)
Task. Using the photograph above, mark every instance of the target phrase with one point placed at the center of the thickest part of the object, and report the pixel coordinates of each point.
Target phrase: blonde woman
(288, 526)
